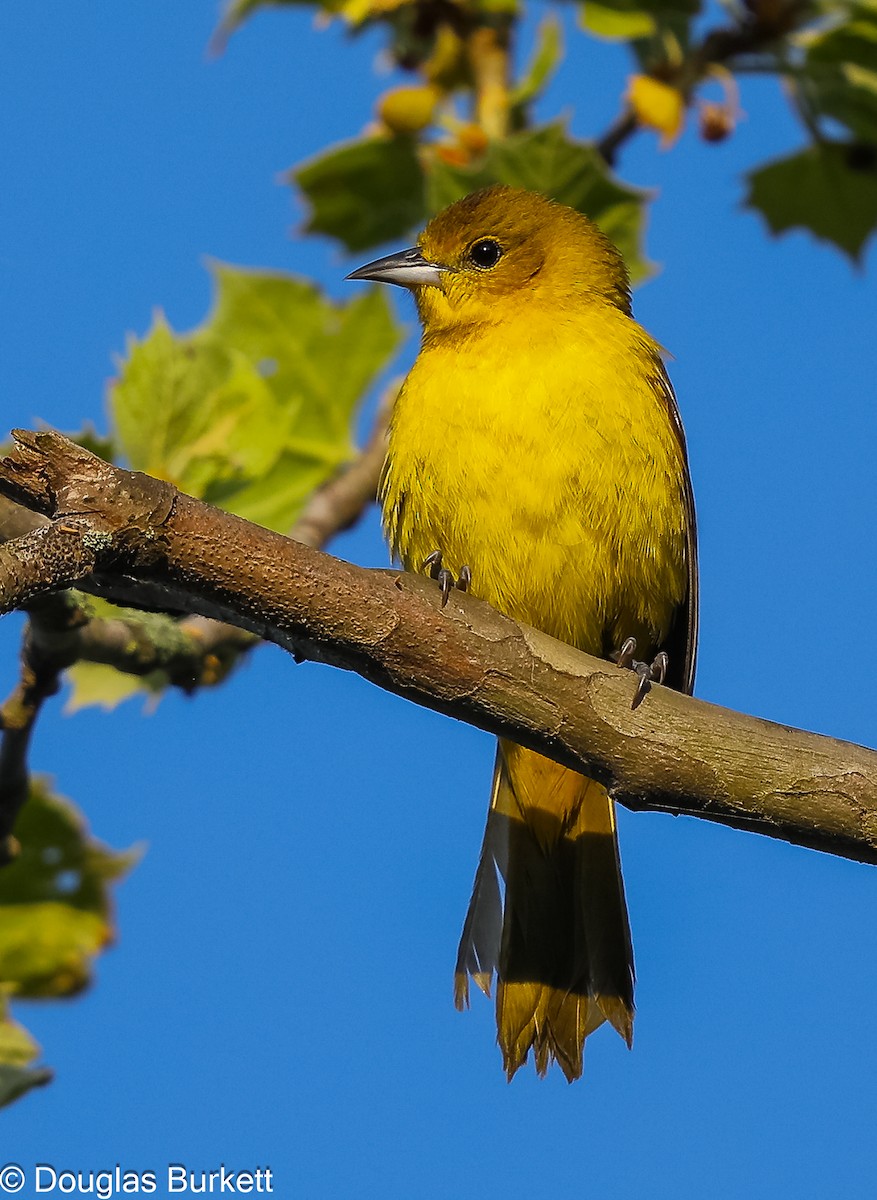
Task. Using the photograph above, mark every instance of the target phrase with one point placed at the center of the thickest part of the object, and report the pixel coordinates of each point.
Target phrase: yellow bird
(537, 458)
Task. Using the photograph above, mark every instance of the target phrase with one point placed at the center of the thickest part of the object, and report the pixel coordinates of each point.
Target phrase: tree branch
(720, 47)
(330, 510)
(674, 754)
(334, 507)
(192, 653)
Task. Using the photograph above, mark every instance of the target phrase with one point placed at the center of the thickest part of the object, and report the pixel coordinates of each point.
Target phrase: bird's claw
(444, 577)
(626, 653)
(655, 671)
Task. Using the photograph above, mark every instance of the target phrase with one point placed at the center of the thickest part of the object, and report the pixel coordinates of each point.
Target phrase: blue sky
(281, 990)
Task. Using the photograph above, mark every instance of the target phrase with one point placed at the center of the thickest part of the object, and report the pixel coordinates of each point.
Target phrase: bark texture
(125, 535)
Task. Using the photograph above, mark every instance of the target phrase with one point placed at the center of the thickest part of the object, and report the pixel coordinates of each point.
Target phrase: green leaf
(620, 21)
(542, 66)
(46, 949)
(502, 7)
(254, 410)
(270, 500)
(653, 27)
(161, 402)
(838, 78)
(16, 1081)
(364, 193)
(55, 906)
(59, 860)
(17, 1053)
(846, 92)
(238, 11)
(95, 685)
(547, 160)
(325, 355)
(852, 40)
(17, 1047)
(830, 189)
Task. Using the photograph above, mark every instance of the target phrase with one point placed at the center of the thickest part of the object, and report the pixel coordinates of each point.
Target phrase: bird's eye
(485, 253)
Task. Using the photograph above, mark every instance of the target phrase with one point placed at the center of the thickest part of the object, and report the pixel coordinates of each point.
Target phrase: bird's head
(503, 250)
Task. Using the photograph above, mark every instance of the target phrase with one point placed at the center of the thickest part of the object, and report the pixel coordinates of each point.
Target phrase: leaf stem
(489, 49)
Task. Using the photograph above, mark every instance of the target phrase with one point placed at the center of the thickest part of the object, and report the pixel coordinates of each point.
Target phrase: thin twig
(718, 47)
(40, 678)
(622, 128)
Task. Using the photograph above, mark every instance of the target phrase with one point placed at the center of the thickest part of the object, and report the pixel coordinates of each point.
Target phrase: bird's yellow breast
(540, 452)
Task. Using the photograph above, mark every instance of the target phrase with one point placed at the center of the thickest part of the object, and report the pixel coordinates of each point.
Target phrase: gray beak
(408, 269)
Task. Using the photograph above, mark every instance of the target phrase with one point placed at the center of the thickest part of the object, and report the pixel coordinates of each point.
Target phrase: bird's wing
(681, 642)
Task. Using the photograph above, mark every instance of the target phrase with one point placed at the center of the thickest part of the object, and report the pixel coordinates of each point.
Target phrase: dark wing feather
(681, 642)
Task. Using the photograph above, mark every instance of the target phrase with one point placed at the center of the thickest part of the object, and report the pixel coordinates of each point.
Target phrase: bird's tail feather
(547, 916)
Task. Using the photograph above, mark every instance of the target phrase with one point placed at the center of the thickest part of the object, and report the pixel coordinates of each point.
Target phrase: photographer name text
(176, 1179)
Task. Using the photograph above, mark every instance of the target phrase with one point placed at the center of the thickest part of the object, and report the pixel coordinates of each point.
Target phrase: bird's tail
(547, 915)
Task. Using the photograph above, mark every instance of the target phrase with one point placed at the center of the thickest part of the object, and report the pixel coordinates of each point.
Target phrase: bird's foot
(444, 577)
(647, 672)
